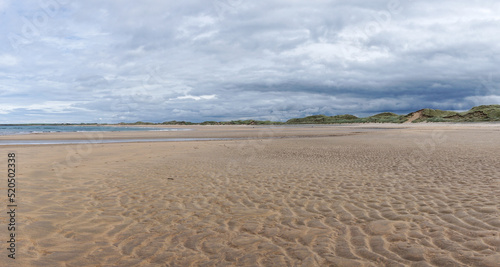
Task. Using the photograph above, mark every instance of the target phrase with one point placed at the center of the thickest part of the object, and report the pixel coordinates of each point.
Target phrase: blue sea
(30, 129)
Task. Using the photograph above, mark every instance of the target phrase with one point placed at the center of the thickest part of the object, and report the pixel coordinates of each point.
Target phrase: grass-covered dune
(347, 118)
(476, 114)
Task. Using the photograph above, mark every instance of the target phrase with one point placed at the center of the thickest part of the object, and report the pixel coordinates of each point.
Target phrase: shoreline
(245, 131)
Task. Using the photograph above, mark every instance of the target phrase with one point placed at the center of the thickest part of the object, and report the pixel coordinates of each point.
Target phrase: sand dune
(410, 196)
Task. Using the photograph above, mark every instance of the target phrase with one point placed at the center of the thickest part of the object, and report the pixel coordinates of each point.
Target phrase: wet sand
(359, 195)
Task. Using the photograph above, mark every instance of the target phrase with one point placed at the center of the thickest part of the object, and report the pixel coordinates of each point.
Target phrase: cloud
(4, 4)
(7, 60)
(206, 97)
(231, 59)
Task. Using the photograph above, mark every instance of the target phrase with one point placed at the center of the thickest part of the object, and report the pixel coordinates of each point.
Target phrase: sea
(32, 129)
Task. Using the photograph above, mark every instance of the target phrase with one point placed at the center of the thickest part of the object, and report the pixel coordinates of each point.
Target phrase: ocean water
(104, 141)
(30, 129)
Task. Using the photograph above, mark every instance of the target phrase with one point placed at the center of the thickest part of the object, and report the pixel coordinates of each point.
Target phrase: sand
(359, 195)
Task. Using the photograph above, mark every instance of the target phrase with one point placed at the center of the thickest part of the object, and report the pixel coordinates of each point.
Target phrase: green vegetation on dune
(475, 114)
(384, 114)
(489, 112)
(177, 123)
(241, 122)
(322, 119)
(344, 117)
(431, 113)
(387, 117)
(487, 108)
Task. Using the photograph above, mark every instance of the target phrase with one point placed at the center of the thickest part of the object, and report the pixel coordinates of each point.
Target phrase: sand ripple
(367, 200)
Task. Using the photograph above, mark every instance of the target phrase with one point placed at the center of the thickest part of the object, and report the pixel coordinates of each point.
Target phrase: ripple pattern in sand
(342, 201)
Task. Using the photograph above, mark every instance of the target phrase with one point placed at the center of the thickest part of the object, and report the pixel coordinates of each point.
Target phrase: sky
(72, 61)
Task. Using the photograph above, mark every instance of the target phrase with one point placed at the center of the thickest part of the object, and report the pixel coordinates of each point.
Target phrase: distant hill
(322, 119)
(347, 118)
(476, 114)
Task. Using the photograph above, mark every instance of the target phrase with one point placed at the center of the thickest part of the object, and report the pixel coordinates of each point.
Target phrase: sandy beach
(352, 195)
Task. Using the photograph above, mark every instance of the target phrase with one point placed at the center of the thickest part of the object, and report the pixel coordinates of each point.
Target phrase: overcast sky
(197, 60)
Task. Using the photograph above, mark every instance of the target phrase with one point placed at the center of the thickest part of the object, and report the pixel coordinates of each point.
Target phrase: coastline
(245, 131)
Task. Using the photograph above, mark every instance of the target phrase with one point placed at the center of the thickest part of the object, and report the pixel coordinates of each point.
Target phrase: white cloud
(201, 97)
(52, 106)
(8, 60)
